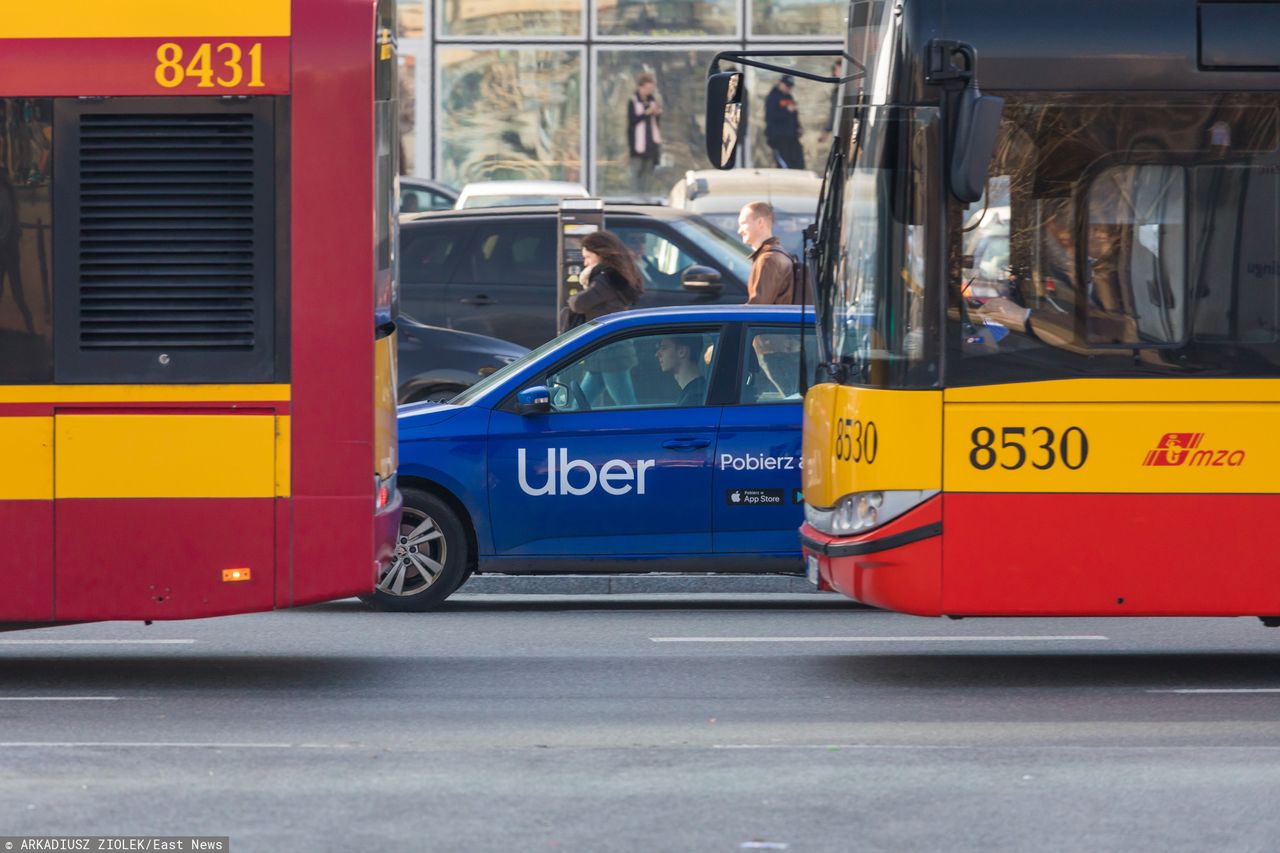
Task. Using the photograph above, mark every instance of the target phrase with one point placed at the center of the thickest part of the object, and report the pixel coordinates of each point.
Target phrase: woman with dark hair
(611, 282)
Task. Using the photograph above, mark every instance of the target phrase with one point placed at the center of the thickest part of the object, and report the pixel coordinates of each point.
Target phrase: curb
(636, 584)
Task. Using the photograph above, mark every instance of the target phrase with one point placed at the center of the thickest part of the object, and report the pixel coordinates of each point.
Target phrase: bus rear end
(196, 394)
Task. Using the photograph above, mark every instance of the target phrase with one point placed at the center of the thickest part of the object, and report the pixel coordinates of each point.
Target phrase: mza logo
(1183, 449)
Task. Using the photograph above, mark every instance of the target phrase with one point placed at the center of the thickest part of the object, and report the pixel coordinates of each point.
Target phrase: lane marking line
(126, 744)
(59, 698)
(989, 639)
(1220, 690)
(96, 642)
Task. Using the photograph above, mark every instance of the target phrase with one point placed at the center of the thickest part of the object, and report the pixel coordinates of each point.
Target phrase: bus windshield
(1121, 234)
(874, 303)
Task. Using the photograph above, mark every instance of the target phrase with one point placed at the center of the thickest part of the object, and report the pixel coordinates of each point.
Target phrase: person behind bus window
(611, 283)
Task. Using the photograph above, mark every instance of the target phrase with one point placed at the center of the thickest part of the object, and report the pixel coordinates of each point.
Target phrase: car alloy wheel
(421, 551)
(432, 554)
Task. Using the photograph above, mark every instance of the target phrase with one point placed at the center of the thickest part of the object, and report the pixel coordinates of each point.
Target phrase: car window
(661, 260)
(729, 252)
(414, 200)
(510, 253)
(656, 370)
(771, 364)
(427, 251)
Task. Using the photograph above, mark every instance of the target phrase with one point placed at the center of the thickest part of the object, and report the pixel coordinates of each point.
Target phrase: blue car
(654, 440)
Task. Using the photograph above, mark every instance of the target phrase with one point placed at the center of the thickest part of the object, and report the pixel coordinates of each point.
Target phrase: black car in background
(493, 271)
(435, 363)
(419, 194)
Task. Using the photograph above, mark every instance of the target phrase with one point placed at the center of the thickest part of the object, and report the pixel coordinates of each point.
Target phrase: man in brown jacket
(772, 279)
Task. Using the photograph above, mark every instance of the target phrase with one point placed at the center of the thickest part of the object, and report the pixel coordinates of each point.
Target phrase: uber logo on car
(754, 497)
(615, 476)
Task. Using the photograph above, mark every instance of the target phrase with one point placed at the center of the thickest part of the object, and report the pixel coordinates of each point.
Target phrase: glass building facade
(512, 89)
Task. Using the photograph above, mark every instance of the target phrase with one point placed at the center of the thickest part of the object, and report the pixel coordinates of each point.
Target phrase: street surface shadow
(1038, 669)
(656, 601)
(63, 674)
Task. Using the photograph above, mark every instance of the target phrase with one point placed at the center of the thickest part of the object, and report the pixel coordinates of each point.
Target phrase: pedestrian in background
(611, 282)
(772, 280)
(644, 133)
(782, 128)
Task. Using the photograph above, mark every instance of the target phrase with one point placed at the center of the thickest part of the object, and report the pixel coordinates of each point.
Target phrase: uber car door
(758, 505)
(621, 466)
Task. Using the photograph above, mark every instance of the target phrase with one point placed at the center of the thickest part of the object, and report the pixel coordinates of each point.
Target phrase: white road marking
(96, 642)
(59, 698)
(1220, 690)
(176, 744)
(968, 639)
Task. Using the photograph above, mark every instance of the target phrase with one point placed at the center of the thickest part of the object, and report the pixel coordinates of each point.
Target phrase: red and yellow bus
(197, 272)
(1049, 311)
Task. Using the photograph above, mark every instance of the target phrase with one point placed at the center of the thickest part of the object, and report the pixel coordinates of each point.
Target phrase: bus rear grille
(166, 232)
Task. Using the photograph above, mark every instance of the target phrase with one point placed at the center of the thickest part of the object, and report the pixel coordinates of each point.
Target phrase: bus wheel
(430, 558)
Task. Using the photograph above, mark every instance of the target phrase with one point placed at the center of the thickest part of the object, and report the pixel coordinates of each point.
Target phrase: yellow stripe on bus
(1122, 391)
(1149, 448)
(163, 456)
(26, 458)
(144, 393)
(864, 439)
(145, 19)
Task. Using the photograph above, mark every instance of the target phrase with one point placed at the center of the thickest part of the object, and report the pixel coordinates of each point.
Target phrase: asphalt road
(633, 725)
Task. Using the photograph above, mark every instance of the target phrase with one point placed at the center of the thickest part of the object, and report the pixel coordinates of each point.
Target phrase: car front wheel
(431, 556)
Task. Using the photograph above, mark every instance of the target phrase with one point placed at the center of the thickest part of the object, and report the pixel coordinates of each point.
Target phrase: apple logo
(736, 497)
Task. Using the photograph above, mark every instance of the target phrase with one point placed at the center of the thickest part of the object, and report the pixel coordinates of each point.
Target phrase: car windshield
(730, 253)
(469, 395)
(787, 227)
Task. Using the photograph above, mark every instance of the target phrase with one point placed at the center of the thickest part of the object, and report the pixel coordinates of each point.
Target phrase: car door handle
(686, 443)
(478, 300)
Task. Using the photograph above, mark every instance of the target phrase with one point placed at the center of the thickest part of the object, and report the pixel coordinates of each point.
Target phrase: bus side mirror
(534, 401)
(977, 124)
(726, 117)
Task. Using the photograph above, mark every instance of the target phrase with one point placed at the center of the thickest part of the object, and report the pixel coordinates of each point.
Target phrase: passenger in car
(678, 356)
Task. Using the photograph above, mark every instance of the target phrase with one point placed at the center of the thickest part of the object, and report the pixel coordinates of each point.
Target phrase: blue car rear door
(757, 504)
(621, 466)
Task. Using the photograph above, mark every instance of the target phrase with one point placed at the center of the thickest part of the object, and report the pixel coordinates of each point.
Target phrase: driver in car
(679, 357)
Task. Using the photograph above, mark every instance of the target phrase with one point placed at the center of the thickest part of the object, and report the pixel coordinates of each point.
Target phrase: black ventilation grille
(165, 222)
(166, 232)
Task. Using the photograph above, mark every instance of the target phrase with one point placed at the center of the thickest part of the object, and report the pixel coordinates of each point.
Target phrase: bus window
(1142, 238)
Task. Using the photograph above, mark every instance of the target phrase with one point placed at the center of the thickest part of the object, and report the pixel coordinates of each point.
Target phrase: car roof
(705, 314)
(657, 211)
(489, 188)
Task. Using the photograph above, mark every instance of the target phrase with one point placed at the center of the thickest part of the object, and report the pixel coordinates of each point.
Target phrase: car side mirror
(535, 400)
(726, 117)
(701, 280)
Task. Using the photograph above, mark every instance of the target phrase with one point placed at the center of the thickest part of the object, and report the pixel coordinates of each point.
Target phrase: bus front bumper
(896, 567)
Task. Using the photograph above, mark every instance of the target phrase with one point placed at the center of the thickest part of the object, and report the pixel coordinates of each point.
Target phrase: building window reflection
(648, 18)
(798, 18)
(677, 73)
(813, 106)
(511, 18)
(510, 113)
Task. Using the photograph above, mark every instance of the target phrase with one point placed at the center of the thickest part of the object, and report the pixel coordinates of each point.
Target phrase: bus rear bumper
(897, 567)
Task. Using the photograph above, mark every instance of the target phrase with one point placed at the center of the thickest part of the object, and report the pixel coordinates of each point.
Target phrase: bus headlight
(863, 511)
